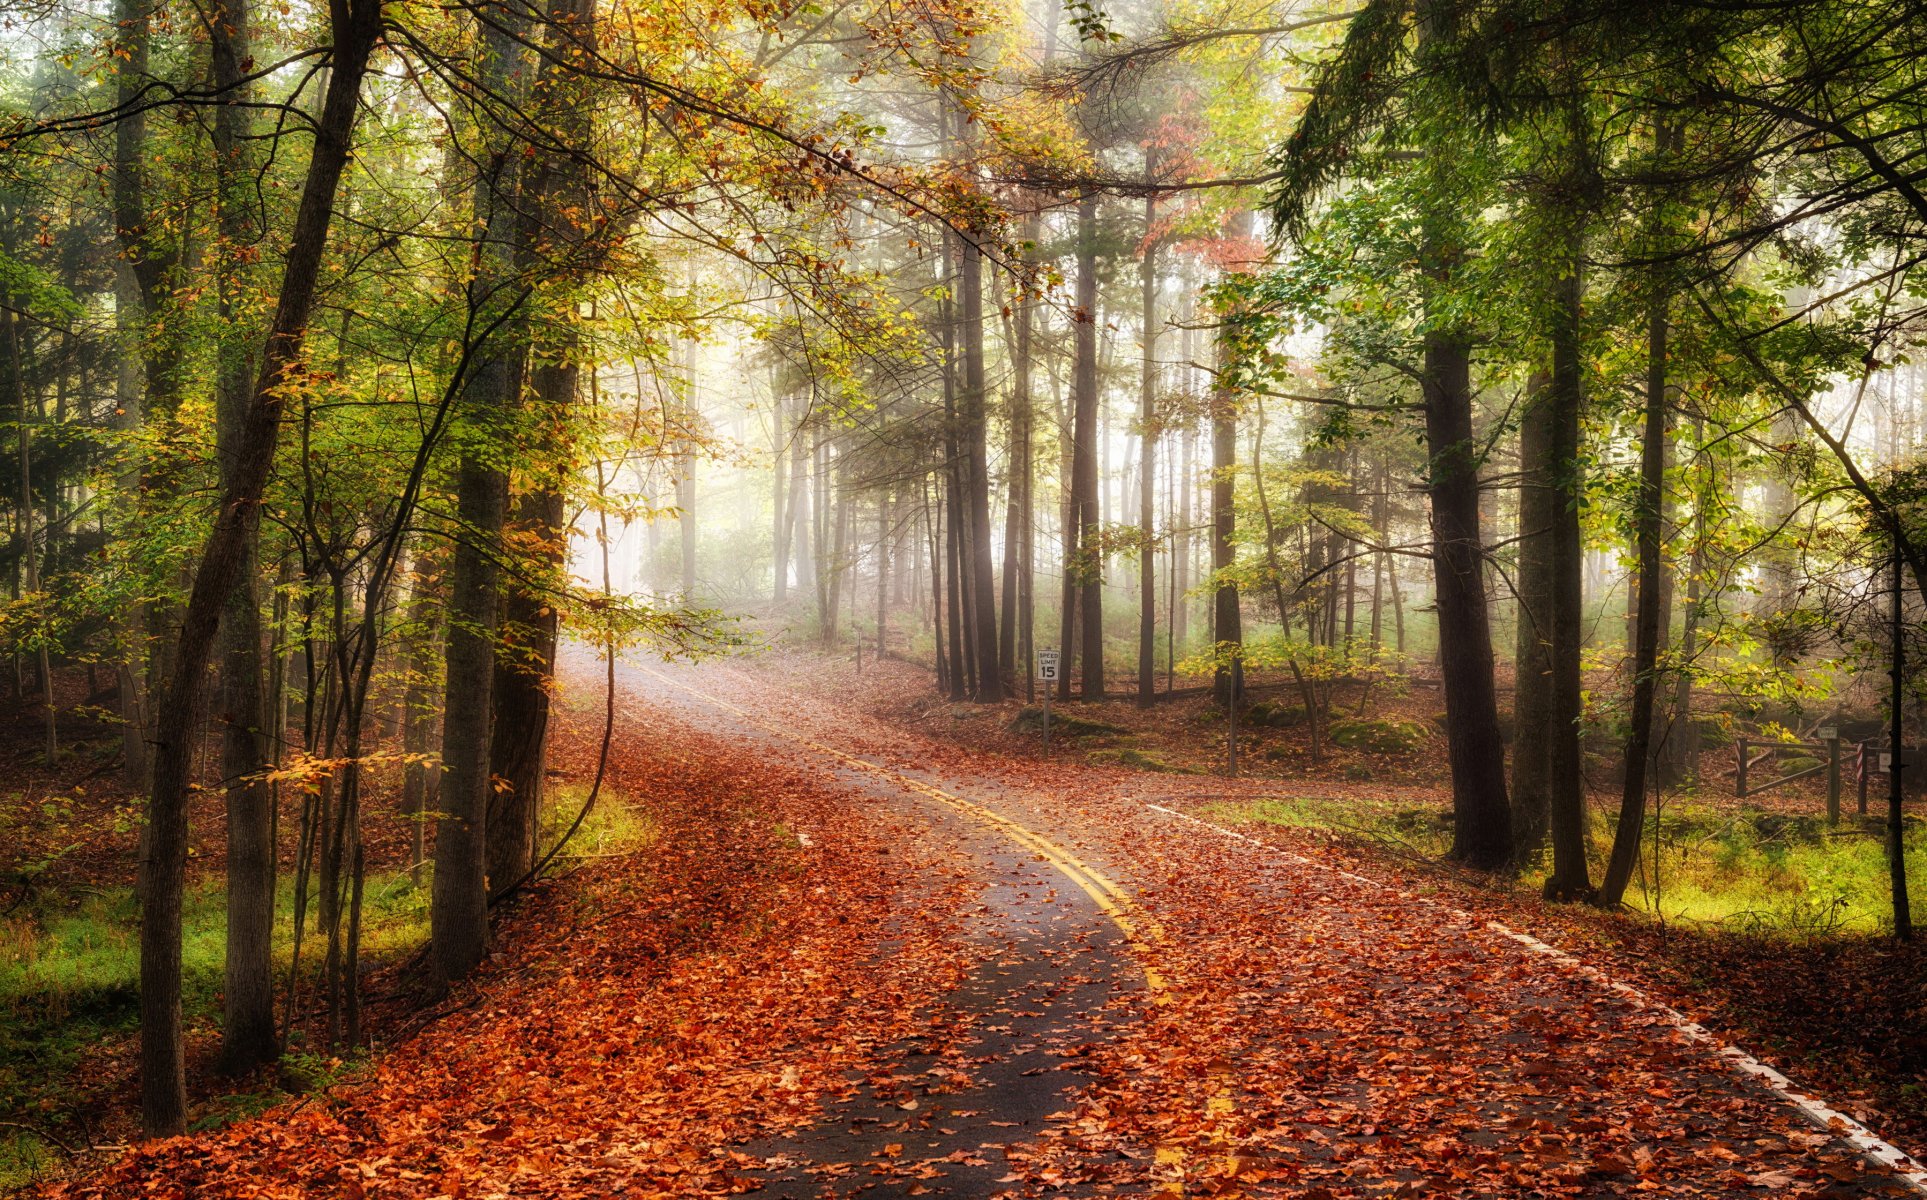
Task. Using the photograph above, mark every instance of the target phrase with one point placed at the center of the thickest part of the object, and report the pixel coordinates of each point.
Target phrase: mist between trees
(356, 355)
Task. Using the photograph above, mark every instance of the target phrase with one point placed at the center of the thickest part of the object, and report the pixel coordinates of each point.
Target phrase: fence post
(1833, 777)
(1739, 784)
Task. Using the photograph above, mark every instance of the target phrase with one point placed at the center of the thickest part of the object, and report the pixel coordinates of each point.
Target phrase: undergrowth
(70, 978)
(1746, 870)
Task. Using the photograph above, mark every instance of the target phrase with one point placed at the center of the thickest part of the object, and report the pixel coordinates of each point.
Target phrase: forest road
(1166, 1010)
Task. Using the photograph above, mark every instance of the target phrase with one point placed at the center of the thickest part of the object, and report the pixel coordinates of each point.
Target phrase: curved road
(1167, 1008)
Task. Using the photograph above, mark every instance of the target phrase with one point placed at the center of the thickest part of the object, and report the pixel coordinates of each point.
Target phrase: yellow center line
(1138, 927)
(1141, 930)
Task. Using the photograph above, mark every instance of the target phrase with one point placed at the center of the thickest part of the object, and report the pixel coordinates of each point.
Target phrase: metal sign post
(1047, 674)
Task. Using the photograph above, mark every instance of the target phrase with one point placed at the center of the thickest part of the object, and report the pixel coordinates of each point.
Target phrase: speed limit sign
(1047, 665)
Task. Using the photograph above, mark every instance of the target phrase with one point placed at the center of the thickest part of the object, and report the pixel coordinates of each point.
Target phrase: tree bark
(1482, 833)
(972, 411)
(355, 25)
(1532, 686)
(420, 706)
(686, 484)
(1147, 625)
(1646, 539)
(1014, 636)
(525, 673)
(1227, 624)
(248, 1036)
(549, 236)
(1089, 562)
(458, 908)
(1566, 798)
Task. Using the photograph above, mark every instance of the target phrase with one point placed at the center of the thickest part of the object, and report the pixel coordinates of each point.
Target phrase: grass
(1747, 870)
(617, 826)
(70, 975)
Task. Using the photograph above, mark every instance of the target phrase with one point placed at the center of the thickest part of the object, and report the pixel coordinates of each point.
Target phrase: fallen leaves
(1321, 1037)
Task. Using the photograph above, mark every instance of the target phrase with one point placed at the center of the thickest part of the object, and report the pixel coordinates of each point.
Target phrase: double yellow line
(1141, 931)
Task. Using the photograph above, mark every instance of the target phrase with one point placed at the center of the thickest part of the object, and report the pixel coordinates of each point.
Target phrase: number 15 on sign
(1047, 672)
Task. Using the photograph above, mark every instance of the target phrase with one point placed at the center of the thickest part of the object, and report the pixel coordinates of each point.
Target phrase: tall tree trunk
(686, 486)
(458, 908)
(1185, 485)
(801, 519)
(1482, 833)
(247, 1028)
(420, 706)
(355, 26)
(1684, 738)
(782, 512)
(1646, 539)
(547, 230)
(839, 552)
(1532, 708)
(525, 669)
(129, 671)
(1381, 530)
(26, 417)
(1566, 798)
(974, 415)
(1089, 565)
(883, 574)
(1014, 635)
(146, 373)
(1227, 624)
(1147, 624)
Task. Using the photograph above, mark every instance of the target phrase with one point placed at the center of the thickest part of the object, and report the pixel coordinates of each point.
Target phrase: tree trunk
(1566, 813)
(1227, 625)
(686, 494)
(800, 517)
(247, 1027)
(839, 553)
(781, 513)
(972, 411)
(525, 670)
(355, 26)
(524, 682)
(1147, 624)
(1646, 539)
(146, 373)
(1684, 736)
(883, 574)
(420, 705)
(1015, 634)
(1089, 564)
(1482, 833)
(26, 416)
(1532, 709)
(458, 909)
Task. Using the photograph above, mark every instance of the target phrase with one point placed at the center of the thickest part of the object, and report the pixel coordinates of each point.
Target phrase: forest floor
(859, 958)
(1769, 928)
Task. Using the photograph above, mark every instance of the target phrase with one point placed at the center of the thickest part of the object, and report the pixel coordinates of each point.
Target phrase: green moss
(1276, 716)
(1380, 737)
(1127, 756)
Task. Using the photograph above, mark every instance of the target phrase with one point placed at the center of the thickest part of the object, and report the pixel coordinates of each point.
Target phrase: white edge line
(1833, 1121)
